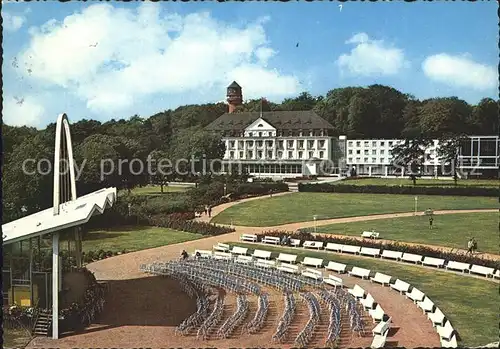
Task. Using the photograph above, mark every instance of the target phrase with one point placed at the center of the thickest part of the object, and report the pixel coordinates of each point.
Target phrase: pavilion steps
(43, 322)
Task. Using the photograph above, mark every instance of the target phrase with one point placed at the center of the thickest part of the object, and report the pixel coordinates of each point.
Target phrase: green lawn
(470, 304)
(156, 189)
(134, 238)
(452, 230)
(422, 182)
(300, 207)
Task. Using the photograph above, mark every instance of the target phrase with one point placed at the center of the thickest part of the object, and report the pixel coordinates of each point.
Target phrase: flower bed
(393, 246)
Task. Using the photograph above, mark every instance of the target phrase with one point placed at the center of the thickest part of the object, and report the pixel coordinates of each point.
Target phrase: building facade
(285, 144)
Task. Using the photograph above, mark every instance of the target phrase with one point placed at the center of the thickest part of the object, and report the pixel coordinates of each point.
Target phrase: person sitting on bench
(184, 255)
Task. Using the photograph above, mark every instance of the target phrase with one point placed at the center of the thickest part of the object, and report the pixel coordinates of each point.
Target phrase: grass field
(300, 207)
(452, 230)
(460, 298)
(156, 189)
(134, 238)
(422, 182)
(15, 338)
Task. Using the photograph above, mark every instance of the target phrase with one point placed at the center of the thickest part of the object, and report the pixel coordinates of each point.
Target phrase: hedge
(385, 189)
(394, 246)
(190, 226)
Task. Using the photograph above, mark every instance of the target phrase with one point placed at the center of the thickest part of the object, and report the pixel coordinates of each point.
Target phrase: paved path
(310, 224)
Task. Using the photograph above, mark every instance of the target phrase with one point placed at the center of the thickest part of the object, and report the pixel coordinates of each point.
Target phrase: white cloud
(113, 58)
(12, 22)
(25, 110)
(371, 57)
(460, 71)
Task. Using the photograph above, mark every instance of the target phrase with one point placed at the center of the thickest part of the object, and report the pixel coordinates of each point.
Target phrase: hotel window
(358, 158)
(374, 144)
(231, 144)
(350, 143)
(260, 134)
(300, 155)
(300, 134)
(381, 160)
(366, 159)
(270, 154)
(240, 144)
(321, 144)
(321, 154)
(358, 151)
(241, 155)
(301, 144)
(310, 133)
(259, 155)
(390, 144)
(366, 151)
(382, 144)
(290, 144)
(358, 144)
(280, 144)
(350, 151)
(349, 159)
(231, 155)
(374, 160)
(250, 143)
(382, 152)
(280, 154)
(310, 144)
(311, 154)
(374, 152)
(259, 143)
(250, 154)
(290, 154)
(366, 143)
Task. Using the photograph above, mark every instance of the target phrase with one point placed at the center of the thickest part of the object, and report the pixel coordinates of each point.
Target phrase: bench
(289, 268)
(400, 286)
(381, 279)
(244, 259)
(338, 267)
(312, 273)
(222, 247)
(264, 263)
(295, 242)
(426, 305)
(497, 274)
(356, 292)
(222, 255)
(313, 244)
(203, 253)
(445, 331)
(370, 234)
(479, 269)
(368, 302)
(360, 272)
(239, 250)
(271, 240)
(333, 281)
(452, 343)
(437, 317)
(415, 295)
(392, 254)
(248, 237)
(312, 262)
(435, 262)
(375, 252)
(261, 254)
(333, 247)
(289, 258)
(351, 249)
(458, 266)
(377, 314)
(380, 333)
(410, 257)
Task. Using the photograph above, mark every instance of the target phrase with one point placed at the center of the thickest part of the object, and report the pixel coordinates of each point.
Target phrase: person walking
(431, 220)
(474, 245)
(470, 246)
(209, 211)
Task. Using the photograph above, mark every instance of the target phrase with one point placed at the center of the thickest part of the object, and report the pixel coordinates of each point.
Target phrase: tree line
(374, 112)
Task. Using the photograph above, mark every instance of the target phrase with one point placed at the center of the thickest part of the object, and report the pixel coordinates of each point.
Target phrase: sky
(104, 60)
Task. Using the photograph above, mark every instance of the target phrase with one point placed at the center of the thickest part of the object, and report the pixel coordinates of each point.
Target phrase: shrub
(190, 226)
(384, 189)
(394, 246)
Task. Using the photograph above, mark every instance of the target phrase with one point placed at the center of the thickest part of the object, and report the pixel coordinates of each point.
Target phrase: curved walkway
(310, 224)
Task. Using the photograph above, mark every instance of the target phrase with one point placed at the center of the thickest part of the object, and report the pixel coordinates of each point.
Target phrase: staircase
(42, 323)
(293, 187)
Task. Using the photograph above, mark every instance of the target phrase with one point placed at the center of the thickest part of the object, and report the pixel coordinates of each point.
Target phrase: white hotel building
(284, 144)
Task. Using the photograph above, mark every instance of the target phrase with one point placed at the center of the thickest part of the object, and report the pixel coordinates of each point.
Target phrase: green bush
(190, 226)
(408, 190)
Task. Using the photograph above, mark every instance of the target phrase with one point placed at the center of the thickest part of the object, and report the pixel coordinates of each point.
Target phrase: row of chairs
(334, 325)
(257, 322)
(202, 306)
(355, 316)
(212, 320)
(304, 337)
(286, 318)
(236, 319)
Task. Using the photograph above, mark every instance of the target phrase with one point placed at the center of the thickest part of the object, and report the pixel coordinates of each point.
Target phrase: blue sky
(114, 60)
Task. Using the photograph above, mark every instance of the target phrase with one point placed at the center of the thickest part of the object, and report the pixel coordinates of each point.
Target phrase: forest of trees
(373, 112)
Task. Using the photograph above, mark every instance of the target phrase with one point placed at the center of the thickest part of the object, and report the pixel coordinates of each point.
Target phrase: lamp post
(314, 217)
(416, 205)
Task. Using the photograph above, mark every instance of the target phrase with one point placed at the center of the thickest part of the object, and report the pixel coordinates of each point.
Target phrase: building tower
(234, 96)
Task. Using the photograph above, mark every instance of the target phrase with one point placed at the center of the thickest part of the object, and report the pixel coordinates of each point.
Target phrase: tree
(484, 118)
(411, 119)
(361, 116)
(303, 102)
(410, 155)
(160, 172)
(440, 116)
(448, 150)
